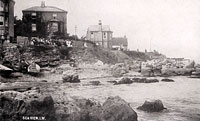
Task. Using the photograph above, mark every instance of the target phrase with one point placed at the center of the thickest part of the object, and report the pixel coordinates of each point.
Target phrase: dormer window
(33, 15)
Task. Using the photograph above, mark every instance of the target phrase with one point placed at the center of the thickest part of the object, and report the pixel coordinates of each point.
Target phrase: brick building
(45, 20)
(6, 20)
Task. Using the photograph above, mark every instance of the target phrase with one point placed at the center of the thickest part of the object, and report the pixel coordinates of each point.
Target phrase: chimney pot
(43, 4)
(100, 23)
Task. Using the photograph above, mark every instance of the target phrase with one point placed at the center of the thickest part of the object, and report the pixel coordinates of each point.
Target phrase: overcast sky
(171, 26)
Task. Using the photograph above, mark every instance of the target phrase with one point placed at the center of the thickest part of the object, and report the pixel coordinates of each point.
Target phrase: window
(54, 27)
(92, 35)
(33, 15)
(104, 35)
(1, 21)
(1, 6)
(34, 27)
(6, 22)
(1, 32)
(54, 15)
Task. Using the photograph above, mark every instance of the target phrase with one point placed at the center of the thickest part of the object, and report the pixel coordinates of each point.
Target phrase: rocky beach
(99, 86)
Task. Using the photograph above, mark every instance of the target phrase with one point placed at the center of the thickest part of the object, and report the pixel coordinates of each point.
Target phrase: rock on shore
(119, 70)
(167, 80)
(113, 109)
(117, 109)
(144, 80)
(152, 106)
(70, 77)
(177, 72)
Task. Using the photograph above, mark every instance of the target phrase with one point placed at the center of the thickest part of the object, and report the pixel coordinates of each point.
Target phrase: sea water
(181, 98)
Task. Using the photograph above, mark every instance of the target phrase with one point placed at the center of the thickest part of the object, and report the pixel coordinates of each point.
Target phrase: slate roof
(105, 28)
(45, 9)
(119, 41)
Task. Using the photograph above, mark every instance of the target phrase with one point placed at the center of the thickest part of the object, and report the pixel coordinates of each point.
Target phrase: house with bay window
(7, 20)
(45, 21)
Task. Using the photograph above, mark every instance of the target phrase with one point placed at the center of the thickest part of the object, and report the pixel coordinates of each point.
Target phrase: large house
(45, 20)
(119, 43)
(6, 20)
(100, 34)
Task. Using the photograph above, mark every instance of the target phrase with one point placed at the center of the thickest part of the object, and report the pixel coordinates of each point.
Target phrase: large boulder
(195, 74)
(167, 80)
(197, 66)
(177, 72)
(85, 110)
(169, 72)
(70, 77)
(117, 109)
(152, 106)
(119, 70)
(157, 72)
(15, 110)
(113, 109)
(33, 68)
(144, 80)
(147, 72)
(136, 66)
(184, 71)
(191, 65)
(125, 80)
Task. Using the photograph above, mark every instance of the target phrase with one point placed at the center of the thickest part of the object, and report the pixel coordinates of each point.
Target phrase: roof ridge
(35, 7)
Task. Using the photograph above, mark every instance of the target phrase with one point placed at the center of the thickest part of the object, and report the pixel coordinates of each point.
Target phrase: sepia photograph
(99, 60)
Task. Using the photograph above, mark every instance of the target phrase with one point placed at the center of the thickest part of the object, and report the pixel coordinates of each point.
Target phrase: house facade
(119, 43)
(100, 34)
(45, 20)
(6, 20)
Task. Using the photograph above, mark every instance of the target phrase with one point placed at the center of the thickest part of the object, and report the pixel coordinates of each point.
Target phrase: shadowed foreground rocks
(14, 110)
(167, 80)
(117, 109)
(113, 109)
(152, 106)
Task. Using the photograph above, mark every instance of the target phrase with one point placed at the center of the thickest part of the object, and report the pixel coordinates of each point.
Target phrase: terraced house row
(6, 20)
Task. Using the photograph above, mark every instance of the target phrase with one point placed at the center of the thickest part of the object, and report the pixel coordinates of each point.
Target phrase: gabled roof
(119, 41)
(98, 28)
(45, 9)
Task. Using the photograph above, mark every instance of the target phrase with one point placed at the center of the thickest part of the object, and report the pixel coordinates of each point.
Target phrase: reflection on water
(181, 98)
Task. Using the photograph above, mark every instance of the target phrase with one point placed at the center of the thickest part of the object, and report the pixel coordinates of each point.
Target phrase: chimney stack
(43, 4)
(100, 23)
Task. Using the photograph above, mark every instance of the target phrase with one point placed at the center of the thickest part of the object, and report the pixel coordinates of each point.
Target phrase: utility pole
(150, 44)
(75, 31)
